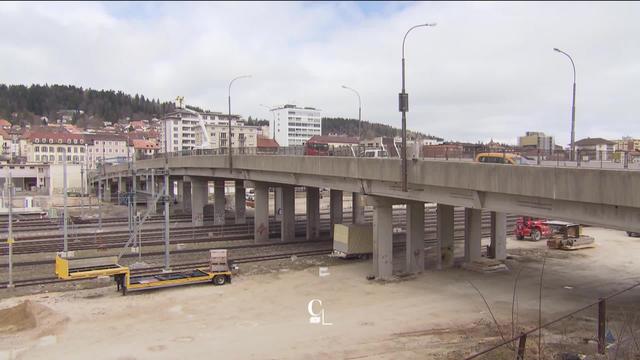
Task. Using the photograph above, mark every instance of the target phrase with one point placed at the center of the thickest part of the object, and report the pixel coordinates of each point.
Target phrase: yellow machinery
(85, 268)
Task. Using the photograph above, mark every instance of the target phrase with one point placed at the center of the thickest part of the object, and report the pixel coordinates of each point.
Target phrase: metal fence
(623, 160)
(609, 327)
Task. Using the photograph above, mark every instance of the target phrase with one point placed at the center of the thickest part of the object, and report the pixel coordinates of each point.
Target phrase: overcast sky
(487, 71)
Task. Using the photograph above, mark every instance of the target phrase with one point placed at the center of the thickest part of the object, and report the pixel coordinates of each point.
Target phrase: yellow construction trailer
(84, 268)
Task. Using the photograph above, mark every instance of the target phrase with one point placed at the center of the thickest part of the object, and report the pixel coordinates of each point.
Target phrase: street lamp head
(430, 24)
(556, 49)
(345, 87)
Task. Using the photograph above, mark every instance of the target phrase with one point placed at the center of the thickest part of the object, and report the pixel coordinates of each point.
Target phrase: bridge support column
(357, 208)
(151, 189)
(106, 190)
(313, 213)
(219, 202)
(382, 239)
(444, 216)
(240, 203)
(498, 248)
(261, 217)
(335, 208)
(415, 237)
(122, 188)
(277, 203)
(472, 234)
(185, 189)
(179, 193)
(288, 223)
(199, 197)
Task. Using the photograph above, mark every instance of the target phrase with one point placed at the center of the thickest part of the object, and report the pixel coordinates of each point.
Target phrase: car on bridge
(504, 158)
(633, 234)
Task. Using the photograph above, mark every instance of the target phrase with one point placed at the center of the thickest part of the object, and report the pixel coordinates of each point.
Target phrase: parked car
(633, 234)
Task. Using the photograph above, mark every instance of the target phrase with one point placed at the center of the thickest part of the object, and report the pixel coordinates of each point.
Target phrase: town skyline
(487, 71)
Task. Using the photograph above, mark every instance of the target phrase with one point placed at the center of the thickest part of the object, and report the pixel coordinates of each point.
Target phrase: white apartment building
(50, 146)
(295, 125)
(242, 136)
(180, 128)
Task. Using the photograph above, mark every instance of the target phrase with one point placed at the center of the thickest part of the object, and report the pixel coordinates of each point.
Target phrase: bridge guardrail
(622, 160)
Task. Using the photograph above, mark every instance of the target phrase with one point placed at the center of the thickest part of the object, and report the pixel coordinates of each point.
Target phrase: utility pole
(64, 181)
(167, 265)
(10, 237)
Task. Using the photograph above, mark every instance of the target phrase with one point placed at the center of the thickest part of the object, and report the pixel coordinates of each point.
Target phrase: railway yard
(265, 312)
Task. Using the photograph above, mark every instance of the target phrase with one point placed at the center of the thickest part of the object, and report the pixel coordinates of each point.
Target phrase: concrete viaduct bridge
(600, 197)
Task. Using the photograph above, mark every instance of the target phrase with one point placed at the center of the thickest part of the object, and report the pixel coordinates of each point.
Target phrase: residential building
(180, 128)
(595, 148)
(5, 124)
(43, 145)
(109, 147)
(5, 142)
(242, 136)
(294, 125)
(144, 148)
(535, 140)
(627, 144)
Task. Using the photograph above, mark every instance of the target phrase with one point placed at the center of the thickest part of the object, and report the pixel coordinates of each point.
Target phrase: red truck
(536, 229)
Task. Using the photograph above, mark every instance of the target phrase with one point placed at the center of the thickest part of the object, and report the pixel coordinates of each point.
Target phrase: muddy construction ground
(264, 313)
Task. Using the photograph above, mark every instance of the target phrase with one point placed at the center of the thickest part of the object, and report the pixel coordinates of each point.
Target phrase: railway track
(209, 233)
(181, 266)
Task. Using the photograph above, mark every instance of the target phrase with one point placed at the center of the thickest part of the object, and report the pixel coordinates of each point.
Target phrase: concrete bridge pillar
(185, 190)
(313, 213)
(444, 216)
(240, 203)
(178, 190)
(288, 223)
(498, 248)
(152, 188)
(335, 208)
(199, 190)
(122, 185)
(261, 217)
(106, 190)
(415, 238)
(218, 202)
(472, 234)
(277, 203)
(382, 238)
(357, 207)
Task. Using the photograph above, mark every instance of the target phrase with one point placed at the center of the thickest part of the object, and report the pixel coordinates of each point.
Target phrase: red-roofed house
(266, 145)
(5, 124)
(145, 147)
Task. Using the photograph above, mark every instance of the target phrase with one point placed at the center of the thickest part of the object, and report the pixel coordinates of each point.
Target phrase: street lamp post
(403, 99)
(229, 135)
(359, 109)
(573, 106)
(273, 115)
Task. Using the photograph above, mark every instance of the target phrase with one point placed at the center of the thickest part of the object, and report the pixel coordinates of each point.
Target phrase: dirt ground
(264, 314)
